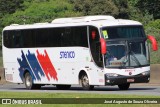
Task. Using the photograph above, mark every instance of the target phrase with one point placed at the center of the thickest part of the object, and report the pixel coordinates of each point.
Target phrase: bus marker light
(101, 80)
(93, 34)
(9, 77)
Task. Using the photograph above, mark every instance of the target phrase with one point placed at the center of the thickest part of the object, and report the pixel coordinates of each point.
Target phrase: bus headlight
(111, 74)
(145, 73)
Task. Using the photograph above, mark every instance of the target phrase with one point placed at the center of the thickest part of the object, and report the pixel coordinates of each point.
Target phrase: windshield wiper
(126, 59)
(135, 58)
(124, 62)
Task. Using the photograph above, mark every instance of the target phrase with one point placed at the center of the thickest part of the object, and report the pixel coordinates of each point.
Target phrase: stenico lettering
(67, 54)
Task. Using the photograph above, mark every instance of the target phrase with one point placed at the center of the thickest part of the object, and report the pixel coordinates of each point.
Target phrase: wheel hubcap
(28, 81)
(85, 81)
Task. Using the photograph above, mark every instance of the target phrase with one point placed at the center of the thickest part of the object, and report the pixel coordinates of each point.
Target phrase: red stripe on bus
(47, 65)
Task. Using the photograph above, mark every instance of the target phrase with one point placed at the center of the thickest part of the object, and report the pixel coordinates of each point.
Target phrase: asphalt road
(140, 89)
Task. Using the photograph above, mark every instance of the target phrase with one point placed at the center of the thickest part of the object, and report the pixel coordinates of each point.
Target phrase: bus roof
(97, 21)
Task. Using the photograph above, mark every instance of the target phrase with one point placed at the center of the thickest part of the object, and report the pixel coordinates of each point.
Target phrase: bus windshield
(126, 54)
(126, 46)
(122, 32)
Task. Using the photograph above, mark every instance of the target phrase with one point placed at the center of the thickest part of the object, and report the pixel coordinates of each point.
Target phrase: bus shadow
(99, 89)
(95, 89)
(117, 89)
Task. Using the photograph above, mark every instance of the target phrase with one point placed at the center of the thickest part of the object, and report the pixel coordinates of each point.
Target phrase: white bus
(90, 51)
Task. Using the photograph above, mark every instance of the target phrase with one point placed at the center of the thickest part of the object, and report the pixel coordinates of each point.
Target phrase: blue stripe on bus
(23, 66)
(35, 65)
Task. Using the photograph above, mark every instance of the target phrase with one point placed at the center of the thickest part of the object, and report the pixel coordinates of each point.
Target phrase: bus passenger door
(97, 75)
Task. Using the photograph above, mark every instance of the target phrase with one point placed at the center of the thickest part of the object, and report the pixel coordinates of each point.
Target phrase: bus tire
(63, 87)
(85, 82)
(124, 86)
(29, 82)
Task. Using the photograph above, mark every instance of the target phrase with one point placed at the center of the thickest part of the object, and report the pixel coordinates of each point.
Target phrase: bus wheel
(29, 82)
(124, 86)
(63, 87)
(85, 82)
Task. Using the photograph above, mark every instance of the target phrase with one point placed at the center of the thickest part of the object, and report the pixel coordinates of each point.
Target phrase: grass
(74, 95)
(66, 95)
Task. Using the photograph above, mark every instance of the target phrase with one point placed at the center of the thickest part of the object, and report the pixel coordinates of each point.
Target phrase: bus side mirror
(103, 46)
(154, 42)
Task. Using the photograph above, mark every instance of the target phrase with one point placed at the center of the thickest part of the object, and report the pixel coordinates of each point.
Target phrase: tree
(123, 8)
(9, 6)
(36, 11)
(151, 6)
(40, 11)
(95, 7)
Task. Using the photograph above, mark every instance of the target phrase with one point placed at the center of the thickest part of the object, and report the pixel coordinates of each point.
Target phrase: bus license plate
(130, 80)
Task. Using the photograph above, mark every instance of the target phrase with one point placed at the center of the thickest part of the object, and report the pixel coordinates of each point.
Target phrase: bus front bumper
(116, 80)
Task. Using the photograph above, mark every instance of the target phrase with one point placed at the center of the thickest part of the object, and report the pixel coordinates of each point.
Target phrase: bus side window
(67, 37)
(80, 36)
(55, 37)
(13, 39)
(95, 46)
(18, 43)
(28, 38)
(74, 36)
(42, 37)
(6, 39)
